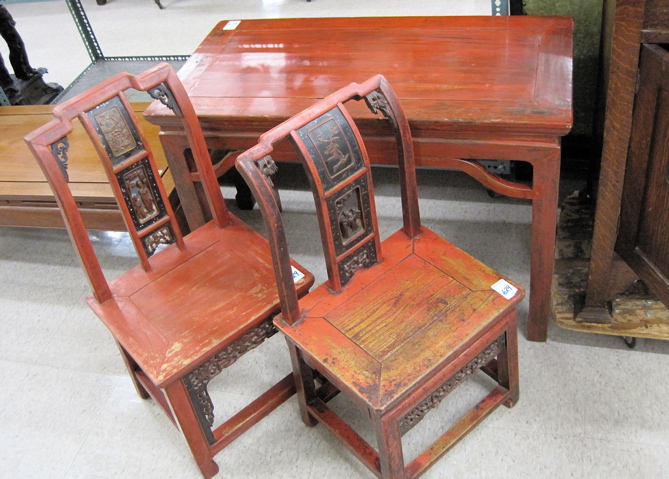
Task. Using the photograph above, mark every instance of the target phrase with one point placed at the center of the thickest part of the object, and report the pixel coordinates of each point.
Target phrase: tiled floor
(589, 407)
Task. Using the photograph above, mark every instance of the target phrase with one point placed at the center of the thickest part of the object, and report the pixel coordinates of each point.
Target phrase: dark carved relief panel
(333, 148)
(197, 381)
(116, 130)
(141, 194)
(348, 209)
(350, 215)
(434, 399)
(362, 258)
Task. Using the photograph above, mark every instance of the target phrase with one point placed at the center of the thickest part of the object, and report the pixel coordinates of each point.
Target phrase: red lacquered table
(473, 88)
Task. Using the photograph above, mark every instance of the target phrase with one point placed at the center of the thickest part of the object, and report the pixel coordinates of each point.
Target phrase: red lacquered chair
(192, 308)
(400, 323)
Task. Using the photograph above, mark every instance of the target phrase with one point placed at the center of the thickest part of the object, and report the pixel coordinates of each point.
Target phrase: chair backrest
(108, 118)
(330, 147)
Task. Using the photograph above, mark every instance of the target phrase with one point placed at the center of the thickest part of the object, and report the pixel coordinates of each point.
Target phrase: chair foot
(208, 468)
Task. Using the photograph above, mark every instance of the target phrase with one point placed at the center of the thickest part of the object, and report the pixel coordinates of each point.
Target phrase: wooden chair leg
(186, 418)
(507, 363)
(132, 367)
(304, 384)
(389, 445)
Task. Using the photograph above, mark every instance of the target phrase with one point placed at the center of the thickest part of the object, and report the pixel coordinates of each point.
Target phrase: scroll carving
(268, 167)
(160, 236)
(363, 258)
(59, 150)
(164, 95)
(376, 102)
(434, 399)
(197, 381)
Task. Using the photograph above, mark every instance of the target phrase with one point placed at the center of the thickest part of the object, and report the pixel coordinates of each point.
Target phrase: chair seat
(194, 302)
(395, 325)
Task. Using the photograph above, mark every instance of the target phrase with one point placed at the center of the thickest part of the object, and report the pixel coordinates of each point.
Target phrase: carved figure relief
(116, 131)
(142, 200)
(349, 215)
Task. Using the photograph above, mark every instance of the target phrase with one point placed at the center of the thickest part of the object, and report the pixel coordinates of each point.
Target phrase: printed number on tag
(231, 25)
(297, 275)
(505, 289)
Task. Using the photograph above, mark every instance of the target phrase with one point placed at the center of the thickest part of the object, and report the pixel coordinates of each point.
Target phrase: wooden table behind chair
(494, 88)
(25, 196)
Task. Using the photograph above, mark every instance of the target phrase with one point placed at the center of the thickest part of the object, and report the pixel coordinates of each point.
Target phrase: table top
(21, 178)
(510, 74)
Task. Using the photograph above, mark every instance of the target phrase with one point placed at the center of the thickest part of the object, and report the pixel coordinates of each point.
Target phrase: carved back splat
(109, 120)
(329, 143)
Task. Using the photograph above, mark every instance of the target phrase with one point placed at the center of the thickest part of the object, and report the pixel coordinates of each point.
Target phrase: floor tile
(50, 415)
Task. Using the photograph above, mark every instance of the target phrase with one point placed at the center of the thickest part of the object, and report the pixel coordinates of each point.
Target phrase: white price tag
(297, 274)
(505, 289)
(231, 25)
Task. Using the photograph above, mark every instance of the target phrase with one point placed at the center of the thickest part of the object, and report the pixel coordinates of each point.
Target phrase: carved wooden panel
(141, 194)
(438, 395)
(350, 215)
(116, 130)
(333, 148)
(338, 161)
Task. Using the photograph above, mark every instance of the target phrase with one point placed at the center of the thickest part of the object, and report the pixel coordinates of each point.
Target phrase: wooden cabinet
(631, 224)
(643, 235)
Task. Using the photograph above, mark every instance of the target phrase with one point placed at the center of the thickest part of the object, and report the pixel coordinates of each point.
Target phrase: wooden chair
(191, 309)
(399, 323)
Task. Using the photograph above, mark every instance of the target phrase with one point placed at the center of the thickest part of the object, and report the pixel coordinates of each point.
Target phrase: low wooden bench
(25, 196)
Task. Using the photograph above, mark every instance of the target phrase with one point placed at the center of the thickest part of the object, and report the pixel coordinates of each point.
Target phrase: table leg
(174, 147)
(546, 181)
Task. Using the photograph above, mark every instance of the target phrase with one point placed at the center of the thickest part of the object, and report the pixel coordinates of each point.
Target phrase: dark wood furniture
(473, 88)
(26, 199)
(400, 322)
(191, 309)
(643, 238)
(632, 198)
